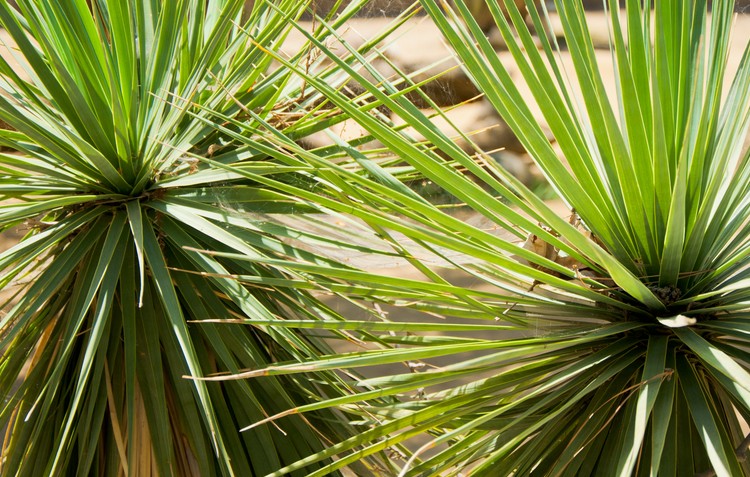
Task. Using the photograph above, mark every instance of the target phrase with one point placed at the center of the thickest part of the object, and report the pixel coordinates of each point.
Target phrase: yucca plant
(612, 340)
(116, 102)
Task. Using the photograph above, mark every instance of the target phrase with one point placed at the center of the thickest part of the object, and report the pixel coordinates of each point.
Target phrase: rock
(415, 49)
(483, 15)
(421, 52)
(521, 166)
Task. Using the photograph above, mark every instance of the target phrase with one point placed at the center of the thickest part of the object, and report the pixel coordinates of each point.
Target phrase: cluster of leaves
(160, 153)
